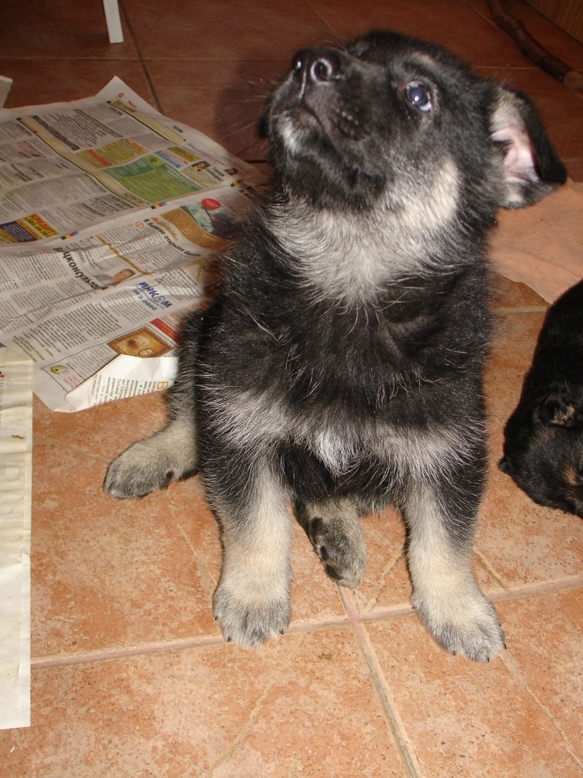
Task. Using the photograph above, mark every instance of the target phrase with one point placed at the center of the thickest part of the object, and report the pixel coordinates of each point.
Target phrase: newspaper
(15, 499)
(111, 217)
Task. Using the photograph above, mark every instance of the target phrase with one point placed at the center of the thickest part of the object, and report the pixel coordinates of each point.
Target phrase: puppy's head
(389, 116)
(543, 451)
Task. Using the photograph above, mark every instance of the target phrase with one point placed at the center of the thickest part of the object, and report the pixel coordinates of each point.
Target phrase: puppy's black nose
(317, 65)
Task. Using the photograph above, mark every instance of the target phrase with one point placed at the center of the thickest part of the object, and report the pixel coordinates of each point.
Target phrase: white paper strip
(16, 377)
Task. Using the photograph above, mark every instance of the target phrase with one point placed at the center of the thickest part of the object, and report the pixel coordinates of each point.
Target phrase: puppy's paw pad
(343, 557)
(249, 624)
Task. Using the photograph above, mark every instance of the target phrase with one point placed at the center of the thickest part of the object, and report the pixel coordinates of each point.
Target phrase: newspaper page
(111, 217)
(15, 500)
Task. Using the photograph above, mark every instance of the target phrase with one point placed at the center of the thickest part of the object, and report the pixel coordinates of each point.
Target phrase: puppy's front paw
(132, 474)
(145, 467)
(468, 625)
(250, 622)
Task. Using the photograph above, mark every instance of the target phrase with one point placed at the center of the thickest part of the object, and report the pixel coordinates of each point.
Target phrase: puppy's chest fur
(345, 383)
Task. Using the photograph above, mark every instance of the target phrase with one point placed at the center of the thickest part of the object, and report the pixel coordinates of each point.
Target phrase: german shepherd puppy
(341, 367)
(543, 445)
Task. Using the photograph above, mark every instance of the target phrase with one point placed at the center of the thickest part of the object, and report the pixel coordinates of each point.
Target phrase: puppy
(543, 439)
(341, 367)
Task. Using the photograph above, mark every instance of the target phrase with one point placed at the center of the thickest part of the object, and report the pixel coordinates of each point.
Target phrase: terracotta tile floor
(130, 674)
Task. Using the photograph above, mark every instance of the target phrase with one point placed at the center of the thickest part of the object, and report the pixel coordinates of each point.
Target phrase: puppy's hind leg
(335, 531)
(171, 453)
(445, 593)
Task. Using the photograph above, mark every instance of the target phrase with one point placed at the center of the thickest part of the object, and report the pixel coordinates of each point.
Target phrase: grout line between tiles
(244, 731)
(381, 584)
(491, 570)
(352, 618)
(381, 687)
(514, 671)
(532, 590)
(107, 655)
(395, 723)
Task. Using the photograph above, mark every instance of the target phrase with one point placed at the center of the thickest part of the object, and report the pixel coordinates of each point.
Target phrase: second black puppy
(341, 367)
(543, 445)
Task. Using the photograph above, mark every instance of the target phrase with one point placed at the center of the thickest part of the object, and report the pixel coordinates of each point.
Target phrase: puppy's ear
(561, 412)
(531, 167)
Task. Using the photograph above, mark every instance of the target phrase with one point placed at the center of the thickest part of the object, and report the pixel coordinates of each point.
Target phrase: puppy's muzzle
(316, 66)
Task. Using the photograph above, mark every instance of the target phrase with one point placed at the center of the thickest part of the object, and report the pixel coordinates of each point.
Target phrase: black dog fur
(543, 439)
(341, 367)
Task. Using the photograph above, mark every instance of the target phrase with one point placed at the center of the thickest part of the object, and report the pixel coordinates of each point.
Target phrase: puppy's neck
(351, 257)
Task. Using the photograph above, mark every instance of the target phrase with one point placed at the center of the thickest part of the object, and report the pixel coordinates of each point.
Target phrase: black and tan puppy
(341, 367)
(543, 439)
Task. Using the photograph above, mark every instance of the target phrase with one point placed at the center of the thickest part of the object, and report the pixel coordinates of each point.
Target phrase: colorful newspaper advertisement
(111, 218)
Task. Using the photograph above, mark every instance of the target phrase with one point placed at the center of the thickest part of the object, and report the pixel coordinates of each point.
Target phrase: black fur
(341, 366)
(543, 439)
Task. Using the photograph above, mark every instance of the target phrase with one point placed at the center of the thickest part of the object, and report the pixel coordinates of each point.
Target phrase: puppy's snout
(313, 66)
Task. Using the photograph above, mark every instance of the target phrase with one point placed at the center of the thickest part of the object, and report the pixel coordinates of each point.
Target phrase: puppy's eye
(418, 96)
